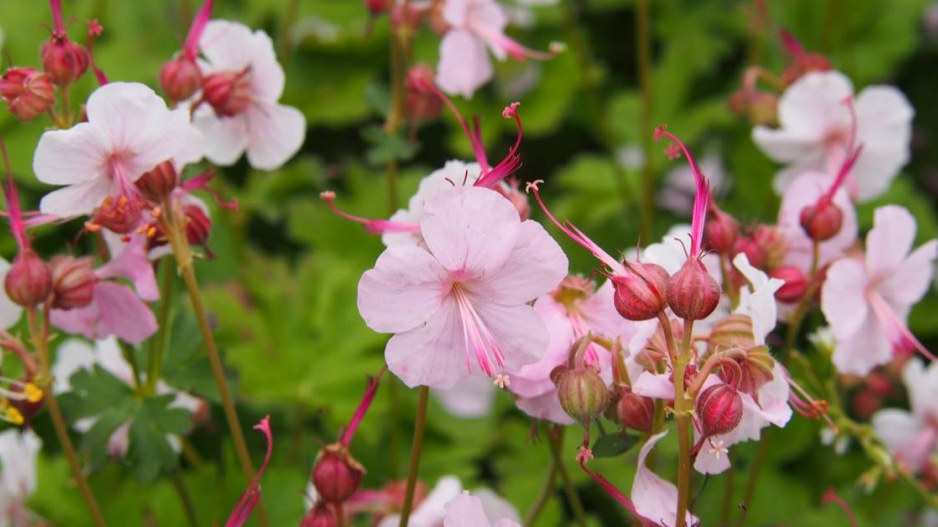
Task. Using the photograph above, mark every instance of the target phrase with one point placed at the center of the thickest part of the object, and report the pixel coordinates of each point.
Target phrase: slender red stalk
(702, 198)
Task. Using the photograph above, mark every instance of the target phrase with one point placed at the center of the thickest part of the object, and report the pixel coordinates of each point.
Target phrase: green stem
(756, 467)
(40, 339)
(416, 450)
(555, 436)
(127, 352)
(158, 345)
(546, 491)
(682, 415)
(184, 497)
(727, 503)
(183, 254)
(645, 124)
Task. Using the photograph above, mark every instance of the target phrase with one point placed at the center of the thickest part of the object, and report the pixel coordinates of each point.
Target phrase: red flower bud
(180, 78)
(320, 515)
(28, 92)
(821, 221)
(772, 245)
(692, 292)
(159, 182)
(229, 93)
(378, 7)
(198, 225)
(720, 409)
(422, 104)
(73, 282)
(336, 475)
(29, 281)
(582, 392)
(720, 232)
(64, 60)
(796, 283)
(635, 411)
(643, 292)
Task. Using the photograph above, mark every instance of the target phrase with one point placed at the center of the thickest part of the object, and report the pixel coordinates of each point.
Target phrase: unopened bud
(720, 409)
(180, 78)
(582, 392)
(642, 293)
(772, 244)
(29, 281)
(378, 7)
(821, 221)
(229, 93)
(159, 182)
(422, 104)
(692, 293)
(320, 515)
(731, 332)
(28, 92)
(198, 225)
(754, 368)
(636, 411)
(796, 283)
(64, 60)
(720, 232)
(336, 475)
(73, 281)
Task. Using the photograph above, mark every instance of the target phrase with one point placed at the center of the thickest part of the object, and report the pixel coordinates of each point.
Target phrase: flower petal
(78, 199)
(470, 398)
(433, 353)
(843, 297)
(276, 132)
(123, 314)
(889, 241)
(464, 63)
(223, 44)
(863, 350)
(655, 498)
(18, 452)
(76, 155)
(900, 431)
(226, 138)
(465, 510)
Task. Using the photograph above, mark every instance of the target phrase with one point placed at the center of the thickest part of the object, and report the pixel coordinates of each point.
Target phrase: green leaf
(185, 364)
(613, 445)
(387, 147)
(150, 452)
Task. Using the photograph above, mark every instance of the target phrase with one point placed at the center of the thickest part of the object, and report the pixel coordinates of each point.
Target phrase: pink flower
(817, 129)
(460, 304)
(474, 25)
(270, 132)
(467, 510)
(654, 498)
(117, 309)
(866, 302)
(912, 436)
(19, 450)
(432, 509)
(129, 131)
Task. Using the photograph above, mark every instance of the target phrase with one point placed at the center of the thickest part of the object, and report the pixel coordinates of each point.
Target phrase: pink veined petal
(889, 241)
(545, 407)
(497, 509)
(654, 385)
(224, 43)
(784, 146)
(470, 231)
(456, 12)
(174, 138)
(226, 138)
(433, 353)
(922, 384)
(534, 379)
(10, 313)
(813, 105)
(464, 63)
(406, 287)
(655, 498)
(276, 132)
(78, 199)
(865, 349)
(757, 300)
(911, 280)
(123, 314)
(267, 77)
(465, 510)
(901, 431)
(132, 262)
(18, 453)
(454, 173)
(432, 509)
(843, 299)
(470, 398)
(710, 459)
(534, 267)
(79, 321)
(884, 127)
(601, 316)
(76, 155)
(518, 331)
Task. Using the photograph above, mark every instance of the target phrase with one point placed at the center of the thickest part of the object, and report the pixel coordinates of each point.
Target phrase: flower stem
(158, 345)
(756, 467)
(184, 497)
(546, 491)
(645, 125)
(555, 436)
(416, 450)
(183, 254)
(40, 338)
(682, 415)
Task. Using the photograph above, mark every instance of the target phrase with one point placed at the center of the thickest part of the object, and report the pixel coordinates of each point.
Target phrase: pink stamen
(702, 197)
(15, 212)
(94, 30)
(512, 161)
(477, 336)
(842, 174)
(896, 331)
(59, 26)
(252, 495)
(613, 492)
(791, 44)
(371, 226)
(576, 234)
(474, 134)
(499, 40)
(831, 497)
(190, 47)
(201, 181)
(362, 409)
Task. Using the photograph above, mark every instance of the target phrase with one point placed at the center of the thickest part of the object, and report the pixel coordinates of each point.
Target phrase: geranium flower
(129, 131)
(912, 436)
(867, 301)
(460, 304)
(18, 452)
(431, 510)
(817, 130)
(654, 499)
(480, 510)
(243, 82)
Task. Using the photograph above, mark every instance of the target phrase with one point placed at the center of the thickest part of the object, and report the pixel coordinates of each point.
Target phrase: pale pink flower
(19, 450)
(474, 26)
(467, 510)
(10, 313)
(654, 498)
(129, 131)
(912, 437)
(461, 303)
(117, 309)
(867, 301)
(432, 509)
(470, 398)
(817, 129)
(270, 132)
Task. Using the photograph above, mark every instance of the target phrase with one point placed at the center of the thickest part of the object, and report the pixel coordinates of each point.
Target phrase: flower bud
(642, 293)
(754, 253)
(720, 409)
(198, 225)
(761, 108)
(582, 392)
(821, 221)
(378, 7)
(635, 411)
(28, 92)
(337, 475)
(772, 244)
(64, 60)
(159, 182)
(753, 369)
(120, 214)
(28, 282)
(692, 292)
(180, 78)
(796, 283)
(720, 232)
(422, 104)
(73, 282)
(229, 93)
(320, 515)
(731, 332)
